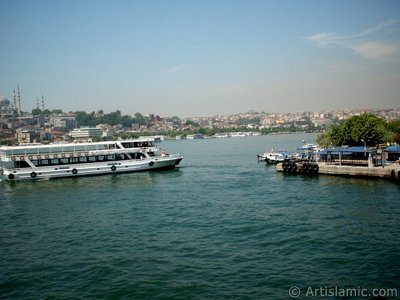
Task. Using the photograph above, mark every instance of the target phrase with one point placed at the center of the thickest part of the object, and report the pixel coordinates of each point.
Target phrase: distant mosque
(8, 109)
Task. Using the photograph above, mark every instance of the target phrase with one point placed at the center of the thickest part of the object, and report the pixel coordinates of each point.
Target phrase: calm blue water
(221, 226)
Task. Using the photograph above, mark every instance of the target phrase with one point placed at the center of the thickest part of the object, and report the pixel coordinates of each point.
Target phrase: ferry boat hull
(45, 173)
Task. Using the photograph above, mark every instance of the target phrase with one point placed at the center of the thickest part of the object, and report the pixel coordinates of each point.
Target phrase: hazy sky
(198, 58)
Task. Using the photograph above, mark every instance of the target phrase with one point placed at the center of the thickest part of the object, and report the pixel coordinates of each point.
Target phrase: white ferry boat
(83, 159)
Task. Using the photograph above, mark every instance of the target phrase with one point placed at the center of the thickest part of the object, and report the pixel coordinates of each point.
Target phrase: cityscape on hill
(45, 125)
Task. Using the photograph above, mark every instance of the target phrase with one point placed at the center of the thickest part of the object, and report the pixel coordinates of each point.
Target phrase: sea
(220, 226)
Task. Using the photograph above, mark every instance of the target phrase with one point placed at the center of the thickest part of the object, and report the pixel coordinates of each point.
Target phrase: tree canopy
(112, 118)
(359, 130)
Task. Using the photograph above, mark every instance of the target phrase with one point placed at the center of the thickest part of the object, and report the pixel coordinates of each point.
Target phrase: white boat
(238, 134)
(194, 136)
(82, 159)
(222, 135)
(271, 157)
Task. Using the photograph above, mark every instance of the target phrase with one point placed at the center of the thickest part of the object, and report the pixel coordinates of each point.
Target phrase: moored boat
(83, 159)
(271, 157)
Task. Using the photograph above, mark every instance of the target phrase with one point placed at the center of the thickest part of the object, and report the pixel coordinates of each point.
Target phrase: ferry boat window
(68, 149)
(63, 161)
(122, 157)
(35, 162)
(92, 159)
(79, 148)
(91, 148)
(82, 159)
(45, 162)
(126, 145)
(21, 164)
(17, 152)
(54, 161)
(55, 150)
(43, 151)
(150, 153)
(138, 155)
(31, 151)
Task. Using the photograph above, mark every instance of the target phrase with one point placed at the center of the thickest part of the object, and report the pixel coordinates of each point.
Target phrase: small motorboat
(271, 157)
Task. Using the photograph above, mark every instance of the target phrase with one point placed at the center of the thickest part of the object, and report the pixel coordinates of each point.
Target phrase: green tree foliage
(36, 111)
(393, 129)
(139, 119)
(357, 130)
(192, 123)
(112, 118)
(84, 119)
(175, 120)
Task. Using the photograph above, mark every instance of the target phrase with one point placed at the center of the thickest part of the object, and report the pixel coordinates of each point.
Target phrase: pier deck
(391, 172)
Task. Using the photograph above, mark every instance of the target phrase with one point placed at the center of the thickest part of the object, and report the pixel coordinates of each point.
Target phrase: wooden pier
(391, 172)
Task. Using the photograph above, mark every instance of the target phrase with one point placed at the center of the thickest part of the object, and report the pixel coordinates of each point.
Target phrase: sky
(201, 58)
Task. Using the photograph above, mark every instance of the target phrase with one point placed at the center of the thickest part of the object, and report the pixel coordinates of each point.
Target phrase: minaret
(37, 102)
(14, 99)
(42, 103)
(19, 100)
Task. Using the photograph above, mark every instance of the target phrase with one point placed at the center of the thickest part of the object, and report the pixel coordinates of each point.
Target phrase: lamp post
(365, 147)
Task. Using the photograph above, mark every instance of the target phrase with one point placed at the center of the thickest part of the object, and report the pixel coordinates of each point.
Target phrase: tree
(139, 119)
(84, 119)
(393, 129)
(192, 123)
(175, 120)
(324, 139)
(36, 111)
(357, 130)
(366, 128)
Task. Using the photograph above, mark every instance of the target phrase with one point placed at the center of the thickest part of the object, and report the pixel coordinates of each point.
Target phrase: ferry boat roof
(43, 146)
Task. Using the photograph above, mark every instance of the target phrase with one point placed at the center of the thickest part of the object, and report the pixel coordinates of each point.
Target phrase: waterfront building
(63, 121)
(28, 136)
(85, 133)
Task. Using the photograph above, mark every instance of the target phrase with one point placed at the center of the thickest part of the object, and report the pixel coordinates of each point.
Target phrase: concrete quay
(391, 172)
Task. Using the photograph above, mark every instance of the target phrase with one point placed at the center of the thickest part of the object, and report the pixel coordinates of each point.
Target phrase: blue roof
(349, 150)
(394, 149)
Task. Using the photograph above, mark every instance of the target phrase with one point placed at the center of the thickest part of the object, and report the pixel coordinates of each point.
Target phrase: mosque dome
(4, 102)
